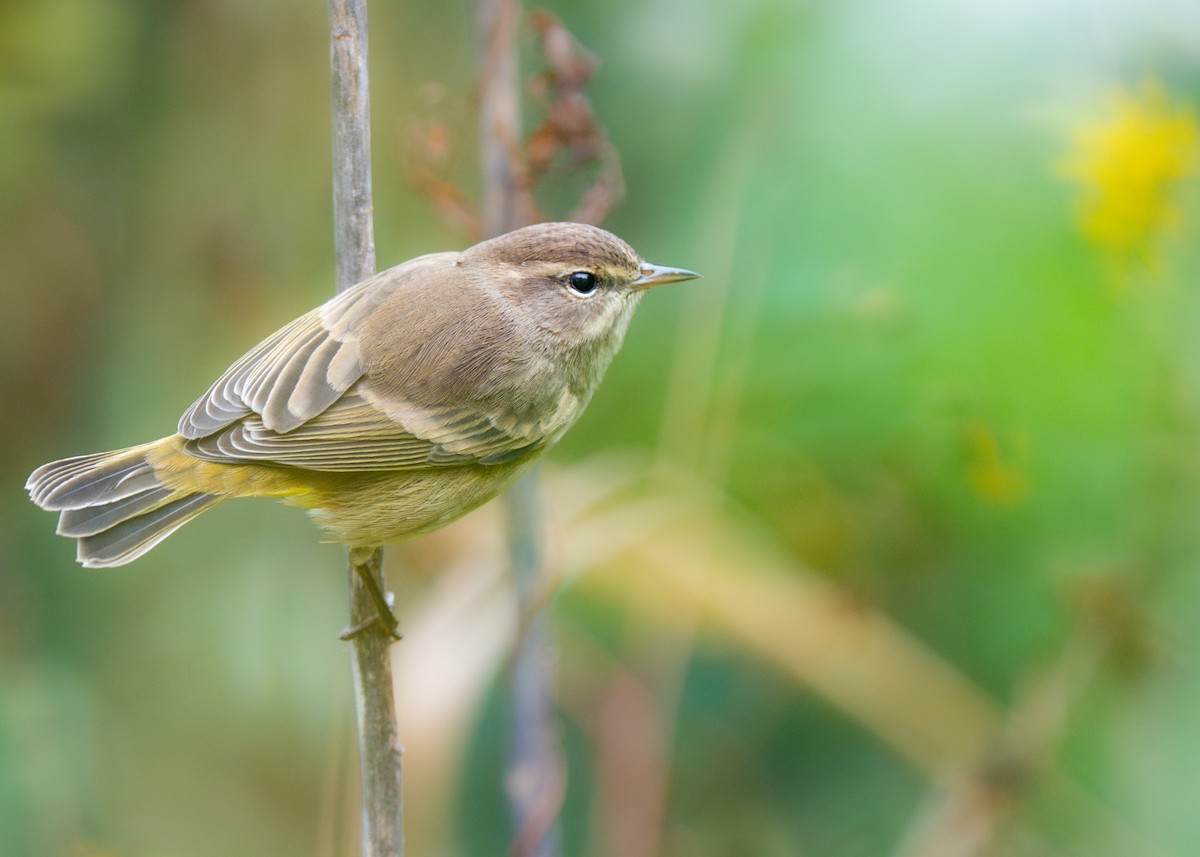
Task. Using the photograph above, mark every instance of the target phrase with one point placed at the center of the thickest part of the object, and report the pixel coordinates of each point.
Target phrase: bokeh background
(882, 539)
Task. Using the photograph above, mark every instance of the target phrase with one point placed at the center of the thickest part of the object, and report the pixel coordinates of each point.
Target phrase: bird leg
(386, 619)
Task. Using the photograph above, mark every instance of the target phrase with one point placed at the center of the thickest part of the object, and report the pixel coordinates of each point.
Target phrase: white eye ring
(582, 282)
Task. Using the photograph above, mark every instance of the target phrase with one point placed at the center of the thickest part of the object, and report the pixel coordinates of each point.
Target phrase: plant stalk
(379, 750)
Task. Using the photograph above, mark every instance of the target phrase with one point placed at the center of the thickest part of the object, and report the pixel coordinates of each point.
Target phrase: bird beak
(657, 275)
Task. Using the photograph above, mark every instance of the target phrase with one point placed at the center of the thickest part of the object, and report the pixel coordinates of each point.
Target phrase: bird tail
(114, 503)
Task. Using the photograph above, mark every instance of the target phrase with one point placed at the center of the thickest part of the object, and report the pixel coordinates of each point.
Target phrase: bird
(387, 412)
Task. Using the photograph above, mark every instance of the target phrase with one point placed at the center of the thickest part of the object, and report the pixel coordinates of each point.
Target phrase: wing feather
(299, 399)
(351, 435)
(288, 378)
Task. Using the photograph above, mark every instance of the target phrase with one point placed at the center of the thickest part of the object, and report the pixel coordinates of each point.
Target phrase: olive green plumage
(389, 411)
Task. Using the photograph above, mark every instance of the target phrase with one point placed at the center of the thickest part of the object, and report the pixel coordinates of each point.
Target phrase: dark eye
(582, 282)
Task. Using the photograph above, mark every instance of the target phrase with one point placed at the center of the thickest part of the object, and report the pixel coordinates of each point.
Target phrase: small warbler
(390, 410)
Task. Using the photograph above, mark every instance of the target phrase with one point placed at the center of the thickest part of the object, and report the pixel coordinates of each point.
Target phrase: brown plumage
(392, 409)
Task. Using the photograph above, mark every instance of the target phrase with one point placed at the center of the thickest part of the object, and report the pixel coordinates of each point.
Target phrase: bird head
(578, 283)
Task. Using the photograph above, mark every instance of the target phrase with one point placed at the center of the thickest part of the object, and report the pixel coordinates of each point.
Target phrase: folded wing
(352, 435)
(298, 399)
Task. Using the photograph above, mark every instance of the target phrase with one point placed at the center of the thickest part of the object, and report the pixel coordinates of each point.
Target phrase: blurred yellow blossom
(996, 471)
(1128, 165)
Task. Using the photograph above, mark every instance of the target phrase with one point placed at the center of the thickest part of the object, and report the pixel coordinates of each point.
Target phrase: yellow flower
(1128, 166)
(997, 472)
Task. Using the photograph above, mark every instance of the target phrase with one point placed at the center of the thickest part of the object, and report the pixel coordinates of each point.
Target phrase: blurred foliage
(881, 539)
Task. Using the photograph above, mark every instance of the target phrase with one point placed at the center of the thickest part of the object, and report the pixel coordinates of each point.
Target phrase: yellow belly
(365, 510)
(361, 509)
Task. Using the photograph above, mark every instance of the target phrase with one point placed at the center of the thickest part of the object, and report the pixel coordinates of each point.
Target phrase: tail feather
(114, 503)
(43, 483)
(86, 480)
(131, 538)
(91, 520)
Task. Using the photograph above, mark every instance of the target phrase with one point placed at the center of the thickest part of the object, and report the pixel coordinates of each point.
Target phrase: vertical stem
(353, 228)
(535, 770)
(499, 114)
(379, 750)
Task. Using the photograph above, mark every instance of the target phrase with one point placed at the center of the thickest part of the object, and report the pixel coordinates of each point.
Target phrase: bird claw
(388, 625)
(382, 600)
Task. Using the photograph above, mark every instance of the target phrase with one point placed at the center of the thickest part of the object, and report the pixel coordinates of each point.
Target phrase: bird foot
(389, 626)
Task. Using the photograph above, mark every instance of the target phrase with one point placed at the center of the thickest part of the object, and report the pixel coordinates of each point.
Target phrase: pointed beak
(658, 275)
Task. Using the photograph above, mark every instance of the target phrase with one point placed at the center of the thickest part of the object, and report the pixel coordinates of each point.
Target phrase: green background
(907, 374)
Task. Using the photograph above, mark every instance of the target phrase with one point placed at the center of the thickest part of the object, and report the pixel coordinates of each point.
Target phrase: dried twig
(354, 245)
(568, 136)
(974, 811)
(568, 139)
(570, 133)
(507, 199)
(535, 770)
(427, 145)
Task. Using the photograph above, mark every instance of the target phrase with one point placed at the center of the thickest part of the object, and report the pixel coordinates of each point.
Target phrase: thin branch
(536, 771)
(507, 200)
(536, 777)
(353, 228)
(354, 246)
(379, 750)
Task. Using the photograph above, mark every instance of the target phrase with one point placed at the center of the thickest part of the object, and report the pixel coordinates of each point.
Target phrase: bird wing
(352, 435)
(299, 399)
(295, 373)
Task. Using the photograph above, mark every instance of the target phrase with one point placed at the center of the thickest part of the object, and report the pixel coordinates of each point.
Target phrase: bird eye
(582, 282)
